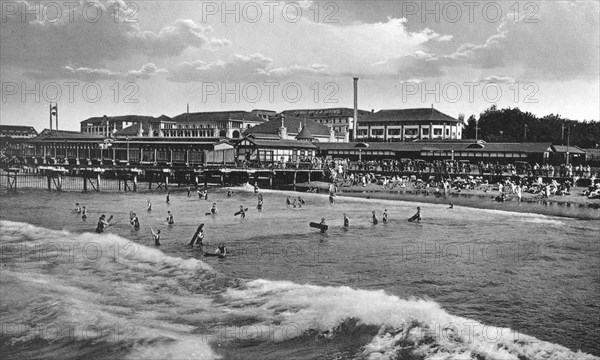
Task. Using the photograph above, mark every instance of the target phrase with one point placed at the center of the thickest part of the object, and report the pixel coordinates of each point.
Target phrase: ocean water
(462, 284)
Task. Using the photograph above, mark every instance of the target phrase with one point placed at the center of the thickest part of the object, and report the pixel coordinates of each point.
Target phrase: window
(411, 132)
(425, 132)
(437, 132)
(376, 132)
(394, 132)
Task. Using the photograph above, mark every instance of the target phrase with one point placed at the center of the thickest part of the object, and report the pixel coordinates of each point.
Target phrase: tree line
(514, 125)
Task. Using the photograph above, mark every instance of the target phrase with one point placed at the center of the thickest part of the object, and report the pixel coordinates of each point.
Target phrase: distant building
(205, 125)
(108, 125)
(17, 131)
(291, 128)
(408, 125)
(340, 119)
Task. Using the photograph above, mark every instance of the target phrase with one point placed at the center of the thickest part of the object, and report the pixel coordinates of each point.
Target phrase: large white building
(408, 125)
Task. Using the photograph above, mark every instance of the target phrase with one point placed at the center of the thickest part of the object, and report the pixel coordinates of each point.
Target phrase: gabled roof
(47, 134)
(571, 149)
(287, 144)
(324, 113)
(218, 116)
(442, 146)
(291, 123)
(421, 114)
(123, 118)
(17, 128)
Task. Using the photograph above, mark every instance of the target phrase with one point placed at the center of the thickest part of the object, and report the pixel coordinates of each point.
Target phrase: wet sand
(573, 205)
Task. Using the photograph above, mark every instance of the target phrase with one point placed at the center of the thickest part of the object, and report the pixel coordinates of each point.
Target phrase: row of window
(474, 154)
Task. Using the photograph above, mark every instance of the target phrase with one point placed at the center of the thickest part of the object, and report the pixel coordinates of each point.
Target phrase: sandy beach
(573, 205)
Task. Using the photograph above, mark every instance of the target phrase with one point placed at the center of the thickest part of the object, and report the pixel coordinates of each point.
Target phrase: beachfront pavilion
(470, 150)
(408, 125)
(270, 148)
(75, 148)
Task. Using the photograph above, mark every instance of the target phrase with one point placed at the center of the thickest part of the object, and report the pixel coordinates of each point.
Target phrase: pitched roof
(572, 149)
(218, 116)
(304, 134)
(298, 144)
(17, 128)
(292, 124)
(323, 113)
(442, 146)
(47, 134)
(420, 114)
(124, 118)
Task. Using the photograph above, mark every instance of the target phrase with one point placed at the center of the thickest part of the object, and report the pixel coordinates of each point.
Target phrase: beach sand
(573, 205)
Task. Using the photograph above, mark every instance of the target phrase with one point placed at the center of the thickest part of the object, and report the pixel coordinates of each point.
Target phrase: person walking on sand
(170, 218)
(189, 191)
(168, 198)
(375, 221)
(83, 213)
(149, 205)
(346, 220)
(384, 216)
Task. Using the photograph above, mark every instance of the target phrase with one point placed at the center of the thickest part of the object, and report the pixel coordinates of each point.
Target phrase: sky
(113, 58)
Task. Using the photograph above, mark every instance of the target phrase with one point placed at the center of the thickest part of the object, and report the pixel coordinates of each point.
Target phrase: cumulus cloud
(256, 67)
(79, 40)
(563, 44)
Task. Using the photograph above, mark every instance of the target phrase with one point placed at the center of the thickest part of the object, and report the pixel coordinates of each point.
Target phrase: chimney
(355, 109)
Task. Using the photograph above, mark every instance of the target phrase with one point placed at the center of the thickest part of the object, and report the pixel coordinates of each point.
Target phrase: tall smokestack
(355, 109)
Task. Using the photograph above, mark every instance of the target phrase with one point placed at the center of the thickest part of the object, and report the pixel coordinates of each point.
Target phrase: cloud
(75, 40)
(97, 74)
(498, 79)
(256, 67)
(563, 44)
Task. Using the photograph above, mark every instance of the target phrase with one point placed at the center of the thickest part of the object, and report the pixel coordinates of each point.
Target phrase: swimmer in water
(149, 205)
(198, 236)
(384, 216)
(83, 213)
(213, 209)
(156, 236)
(135, 222)
(322, 223)
(375, 221)
(242, 212)
(222, 249)
(170, 218)
(346, 220)
(416, 216)
(102, 224)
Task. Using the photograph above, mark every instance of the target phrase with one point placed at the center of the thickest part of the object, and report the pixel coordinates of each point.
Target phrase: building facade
(17, 132)
(408, 125)
(340, 119)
